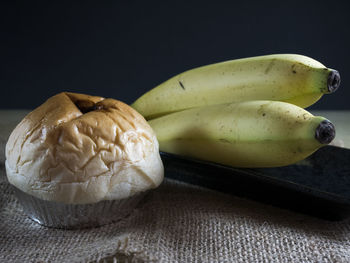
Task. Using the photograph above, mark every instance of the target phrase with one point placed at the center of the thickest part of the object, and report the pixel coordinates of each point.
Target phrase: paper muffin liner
(71, 216)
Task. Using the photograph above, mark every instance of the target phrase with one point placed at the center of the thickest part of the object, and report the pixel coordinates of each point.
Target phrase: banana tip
(325, 132)
(333, 82)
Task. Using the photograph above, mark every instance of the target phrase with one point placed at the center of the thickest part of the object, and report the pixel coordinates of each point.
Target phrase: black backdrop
(122, 49)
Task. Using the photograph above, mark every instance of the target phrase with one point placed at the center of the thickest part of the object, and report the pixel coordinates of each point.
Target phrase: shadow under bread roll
(82, 161)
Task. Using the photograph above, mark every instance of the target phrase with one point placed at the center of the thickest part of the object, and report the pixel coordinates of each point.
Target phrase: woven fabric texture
(178, 223)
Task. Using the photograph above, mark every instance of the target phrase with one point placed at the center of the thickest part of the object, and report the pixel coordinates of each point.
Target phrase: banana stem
(333, 82)
(325, 132)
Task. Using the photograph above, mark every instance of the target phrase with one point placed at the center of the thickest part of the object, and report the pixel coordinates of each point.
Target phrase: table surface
(181, 223)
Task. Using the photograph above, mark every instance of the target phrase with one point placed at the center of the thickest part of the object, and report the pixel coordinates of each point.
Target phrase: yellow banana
(244, 134)
(296, 79)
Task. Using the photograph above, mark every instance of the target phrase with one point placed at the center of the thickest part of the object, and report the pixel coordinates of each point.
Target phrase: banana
(296, 79)
(244, 134)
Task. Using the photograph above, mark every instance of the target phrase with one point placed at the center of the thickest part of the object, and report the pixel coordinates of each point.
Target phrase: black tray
(318, 186)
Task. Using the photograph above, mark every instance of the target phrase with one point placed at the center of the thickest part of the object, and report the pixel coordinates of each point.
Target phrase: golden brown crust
(77, 148)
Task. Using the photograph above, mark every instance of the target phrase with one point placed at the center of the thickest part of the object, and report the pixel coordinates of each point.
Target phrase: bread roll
(80, 149)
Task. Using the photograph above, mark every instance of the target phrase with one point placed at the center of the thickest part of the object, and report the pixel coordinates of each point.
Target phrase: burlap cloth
(177, 223)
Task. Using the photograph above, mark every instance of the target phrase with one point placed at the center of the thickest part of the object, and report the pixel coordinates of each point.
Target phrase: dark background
(123, 49)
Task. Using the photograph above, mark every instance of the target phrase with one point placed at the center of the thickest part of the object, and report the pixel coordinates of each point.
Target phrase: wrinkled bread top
(77, 148)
